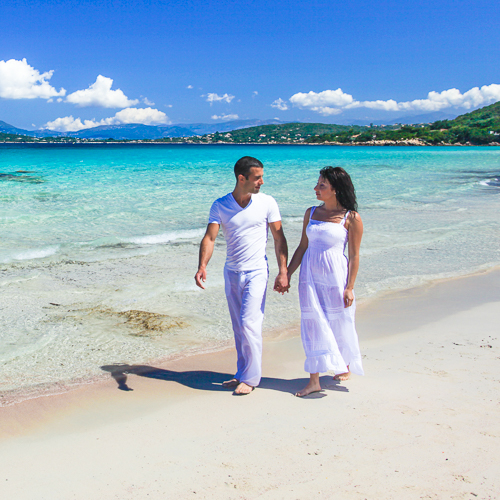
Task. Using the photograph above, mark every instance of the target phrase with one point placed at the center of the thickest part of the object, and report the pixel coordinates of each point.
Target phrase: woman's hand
(281, 284)
(348, 297)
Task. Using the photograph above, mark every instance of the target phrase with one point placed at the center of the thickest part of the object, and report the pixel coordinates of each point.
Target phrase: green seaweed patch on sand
(142, 323)
(148, 322)
(132, 322)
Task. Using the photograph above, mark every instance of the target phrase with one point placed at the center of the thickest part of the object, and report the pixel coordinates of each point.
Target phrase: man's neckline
(246, 206)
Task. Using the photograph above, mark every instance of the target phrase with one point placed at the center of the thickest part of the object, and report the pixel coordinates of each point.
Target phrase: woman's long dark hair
(342, 184)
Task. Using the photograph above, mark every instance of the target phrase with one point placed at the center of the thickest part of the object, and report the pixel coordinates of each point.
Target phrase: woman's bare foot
(230, 384)
(243, 389)
(312, 386)
(342, 376)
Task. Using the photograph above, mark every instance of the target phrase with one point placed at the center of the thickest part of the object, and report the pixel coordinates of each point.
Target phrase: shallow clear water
(102, 229)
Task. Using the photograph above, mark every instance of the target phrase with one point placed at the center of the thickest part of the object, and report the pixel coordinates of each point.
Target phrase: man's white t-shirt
(245, 229)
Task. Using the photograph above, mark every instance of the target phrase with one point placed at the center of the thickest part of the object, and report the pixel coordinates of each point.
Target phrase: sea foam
(158, 239)
(32, 254)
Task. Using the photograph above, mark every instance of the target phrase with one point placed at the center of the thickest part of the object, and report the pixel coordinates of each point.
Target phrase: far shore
(222, 143)
(422, 423)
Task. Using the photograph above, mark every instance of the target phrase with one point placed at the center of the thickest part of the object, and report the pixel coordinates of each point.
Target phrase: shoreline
(367, 309)
(15, 397)
(187, 143)
(422, 422)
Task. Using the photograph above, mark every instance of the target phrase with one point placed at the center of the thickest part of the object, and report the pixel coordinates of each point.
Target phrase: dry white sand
(423, 423)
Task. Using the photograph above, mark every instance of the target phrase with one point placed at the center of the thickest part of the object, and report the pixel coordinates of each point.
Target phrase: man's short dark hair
(243, 166)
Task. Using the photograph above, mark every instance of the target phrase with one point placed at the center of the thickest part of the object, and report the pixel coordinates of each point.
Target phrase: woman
(327, 278)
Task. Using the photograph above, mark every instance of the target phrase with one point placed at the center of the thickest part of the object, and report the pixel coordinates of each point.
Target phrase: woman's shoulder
(307, 215)
(353, 220)
(353, 216)
(309, 211)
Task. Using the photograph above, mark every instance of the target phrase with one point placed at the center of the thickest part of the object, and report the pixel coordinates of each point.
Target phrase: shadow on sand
(212, 381)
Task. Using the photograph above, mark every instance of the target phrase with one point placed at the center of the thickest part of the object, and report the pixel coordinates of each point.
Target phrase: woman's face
(324, 190)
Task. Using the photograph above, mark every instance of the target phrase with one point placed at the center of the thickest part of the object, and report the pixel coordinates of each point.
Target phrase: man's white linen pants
(246, 298)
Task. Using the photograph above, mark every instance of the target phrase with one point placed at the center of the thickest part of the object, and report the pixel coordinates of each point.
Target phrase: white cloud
(280, 104)
(332, 102)
(328, 102)
(212, 97)
(70, 124)
(473, 98)
(389, 105)
(147, 102)
(225, 117)
(326, 110)
(189, 87)
(145, 116)
(19, 80)
(100, 94)
(255, 93)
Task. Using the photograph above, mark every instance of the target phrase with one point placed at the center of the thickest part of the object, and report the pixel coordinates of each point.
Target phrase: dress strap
(345, 217)
(311, 212)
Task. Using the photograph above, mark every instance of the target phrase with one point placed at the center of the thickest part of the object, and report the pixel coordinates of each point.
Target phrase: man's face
(255, 180)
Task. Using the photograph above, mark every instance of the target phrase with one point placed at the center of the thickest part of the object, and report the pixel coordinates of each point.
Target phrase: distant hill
(133, 131)
(286, 132)
(16, 138)
(398, 120)
(488, 116)
(415, 119)
(478, 127)
(5, 128)
(203, 128)
(136, 131)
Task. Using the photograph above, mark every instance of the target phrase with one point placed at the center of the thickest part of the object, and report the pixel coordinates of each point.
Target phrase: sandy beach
(422, 423)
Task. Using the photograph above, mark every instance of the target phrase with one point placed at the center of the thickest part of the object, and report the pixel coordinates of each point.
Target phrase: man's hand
(281, 283)
(281, 250)
(206, 250)
(200, 277)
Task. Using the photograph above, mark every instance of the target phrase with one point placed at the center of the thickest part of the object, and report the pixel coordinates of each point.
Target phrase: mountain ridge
(480, 126)
(137, 131)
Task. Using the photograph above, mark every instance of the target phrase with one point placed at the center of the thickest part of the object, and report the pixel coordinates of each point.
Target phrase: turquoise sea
(92, 233)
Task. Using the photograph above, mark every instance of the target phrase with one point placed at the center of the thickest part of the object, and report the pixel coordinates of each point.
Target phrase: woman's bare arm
(355, 229)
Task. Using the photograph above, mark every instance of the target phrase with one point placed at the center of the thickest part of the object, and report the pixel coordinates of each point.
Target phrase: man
(245, 215)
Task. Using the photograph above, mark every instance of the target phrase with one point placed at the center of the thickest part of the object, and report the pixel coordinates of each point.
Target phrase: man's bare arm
(281, 250)
(301, 249)
(206, 251)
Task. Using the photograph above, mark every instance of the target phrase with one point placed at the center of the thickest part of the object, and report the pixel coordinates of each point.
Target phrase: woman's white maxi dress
(327, 327)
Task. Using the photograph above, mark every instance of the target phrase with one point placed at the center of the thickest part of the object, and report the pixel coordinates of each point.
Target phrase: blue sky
(207, 61)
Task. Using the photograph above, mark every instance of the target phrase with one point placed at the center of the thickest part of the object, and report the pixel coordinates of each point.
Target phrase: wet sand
(422, 423)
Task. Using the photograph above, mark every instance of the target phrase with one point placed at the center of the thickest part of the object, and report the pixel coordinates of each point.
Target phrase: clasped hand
(281, 284)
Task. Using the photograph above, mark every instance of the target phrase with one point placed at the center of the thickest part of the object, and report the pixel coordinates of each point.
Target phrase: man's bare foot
(243, 389)
(230, 384)
(342, 376)
(311, 387)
